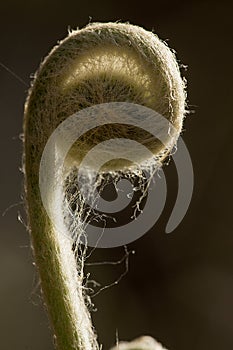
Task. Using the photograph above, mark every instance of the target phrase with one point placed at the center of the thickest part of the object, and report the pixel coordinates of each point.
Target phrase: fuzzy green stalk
(100, 63)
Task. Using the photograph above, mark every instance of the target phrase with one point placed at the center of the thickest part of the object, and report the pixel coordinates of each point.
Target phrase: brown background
(179, 287)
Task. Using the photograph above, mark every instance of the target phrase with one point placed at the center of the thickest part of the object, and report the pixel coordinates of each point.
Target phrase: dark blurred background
(179, 287)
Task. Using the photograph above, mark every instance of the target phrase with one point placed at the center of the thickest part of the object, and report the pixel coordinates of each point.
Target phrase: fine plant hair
(101, 63)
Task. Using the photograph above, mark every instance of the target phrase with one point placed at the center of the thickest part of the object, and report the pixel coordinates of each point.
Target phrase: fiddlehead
(100, 64)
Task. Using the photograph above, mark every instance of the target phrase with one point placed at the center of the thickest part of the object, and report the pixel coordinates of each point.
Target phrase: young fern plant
(101, 63)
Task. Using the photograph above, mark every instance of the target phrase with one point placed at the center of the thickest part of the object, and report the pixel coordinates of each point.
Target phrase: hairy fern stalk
(103, 62)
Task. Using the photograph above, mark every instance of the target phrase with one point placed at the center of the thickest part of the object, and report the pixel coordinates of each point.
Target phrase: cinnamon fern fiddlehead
(101, 63)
